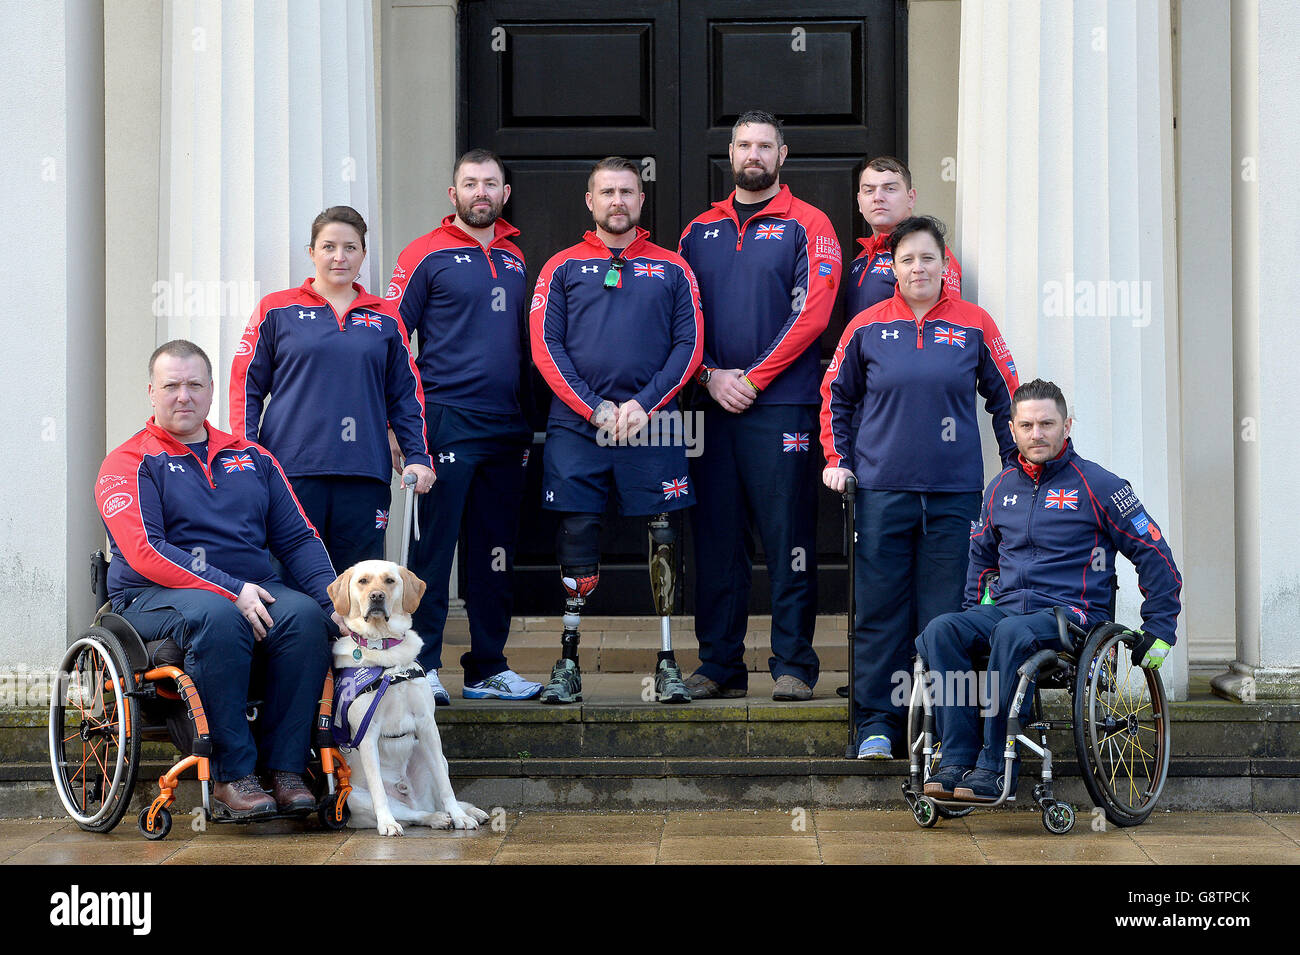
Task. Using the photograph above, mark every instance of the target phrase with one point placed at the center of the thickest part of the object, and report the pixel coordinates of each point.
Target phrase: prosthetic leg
(578, 545)
(669, 687)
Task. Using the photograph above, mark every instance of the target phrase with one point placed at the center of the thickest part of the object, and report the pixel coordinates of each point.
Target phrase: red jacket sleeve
(548, 322)
(251, 374)
(129, 502)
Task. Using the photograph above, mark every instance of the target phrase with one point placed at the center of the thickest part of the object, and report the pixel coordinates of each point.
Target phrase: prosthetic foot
(565, 684)
(669, 686)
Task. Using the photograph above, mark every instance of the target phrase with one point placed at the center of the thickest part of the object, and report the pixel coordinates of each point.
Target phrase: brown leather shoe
(291, 793)
(700, 687)
(791, 688)
(242, 799)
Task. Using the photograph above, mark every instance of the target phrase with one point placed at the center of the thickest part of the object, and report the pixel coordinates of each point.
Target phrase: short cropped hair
(928, 224)
(613, 164)
(477, 156)
(1039, 390)
(887, 164)
(759, 117)
(179, 348)
(343, 214)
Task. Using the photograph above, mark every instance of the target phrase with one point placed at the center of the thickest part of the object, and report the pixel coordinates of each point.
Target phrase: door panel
(662, 83)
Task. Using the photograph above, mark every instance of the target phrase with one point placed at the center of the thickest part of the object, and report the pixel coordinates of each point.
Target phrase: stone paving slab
(770, 836)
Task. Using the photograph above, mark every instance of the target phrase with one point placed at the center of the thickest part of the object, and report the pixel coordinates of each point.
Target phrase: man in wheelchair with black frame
(193, 515)
(1046, 538)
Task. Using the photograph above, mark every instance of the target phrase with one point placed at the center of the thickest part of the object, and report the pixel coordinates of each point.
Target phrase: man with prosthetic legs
(616, 330)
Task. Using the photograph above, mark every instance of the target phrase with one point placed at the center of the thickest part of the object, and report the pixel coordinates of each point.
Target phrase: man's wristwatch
(704, 375)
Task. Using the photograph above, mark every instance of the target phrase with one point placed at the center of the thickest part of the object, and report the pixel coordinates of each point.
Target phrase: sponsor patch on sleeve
(1127, 503)
(827, 246)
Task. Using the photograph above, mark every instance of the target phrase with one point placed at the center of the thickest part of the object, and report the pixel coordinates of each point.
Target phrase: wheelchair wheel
(1121, 727)
(94, 731)
(162, 824)
(1058, 819)
(334, 817)
(915, 722)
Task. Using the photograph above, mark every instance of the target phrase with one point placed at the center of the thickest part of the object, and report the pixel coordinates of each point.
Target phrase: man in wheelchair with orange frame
(193, 516)
(1041, 573)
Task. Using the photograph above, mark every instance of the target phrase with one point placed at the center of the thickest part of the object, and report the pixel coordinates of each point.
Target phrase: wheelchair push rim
(1121, 728)
(94, 746)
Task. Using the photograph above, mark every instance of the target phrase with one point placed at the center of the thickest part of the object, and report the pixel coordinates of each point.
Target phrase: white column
(52, 191)
(1205, 201)
(1266, 218)
(1065, 212)
(269, 117)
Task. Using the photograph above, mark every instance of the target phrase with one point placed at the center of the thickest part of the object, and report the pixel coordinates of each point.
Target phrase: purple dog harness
(351, 683)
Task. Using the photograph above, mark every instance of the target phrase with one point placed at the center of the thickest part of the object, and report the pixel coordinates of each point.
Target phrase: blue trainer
(506, 685)
(875, 747)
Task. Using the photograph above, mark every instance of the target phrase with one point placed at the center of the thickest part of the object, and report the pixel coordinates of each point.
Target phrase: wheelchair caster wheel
(1058, 819)
(162, 824)
(334, 820)
(925, 812)
(945, 813)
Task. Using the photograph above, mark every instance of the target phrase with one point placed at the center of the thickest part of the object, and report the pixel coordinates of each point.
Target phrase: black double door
(552, 87)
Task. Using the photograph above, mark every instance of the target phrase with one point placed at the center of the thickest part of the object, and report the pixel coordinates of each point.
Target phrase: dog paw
(390, 827)
(460, 820)
(439, 820)
(475, 813)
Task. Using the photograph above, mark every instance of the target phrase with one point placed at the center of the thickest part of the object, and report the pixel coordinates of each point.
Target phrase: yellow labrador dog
(384, 707)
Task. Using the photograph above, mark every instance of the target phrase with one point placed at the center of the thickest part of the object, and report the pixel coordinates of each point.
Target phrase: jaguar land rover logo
(115, 503)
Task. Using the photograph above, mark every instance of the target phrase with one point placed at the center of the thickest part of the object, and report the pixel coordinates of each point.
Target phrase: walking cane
(848, 501)
(408, 512)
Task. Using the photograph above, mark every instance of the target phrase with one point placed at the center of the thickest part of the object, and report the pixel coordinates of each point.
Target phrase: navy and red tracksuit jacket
(639, 341)
(177, 521)
(468, 306)
(1050, 533)
(871, 280)
(767, 291)
(328, 376)
(916, 383)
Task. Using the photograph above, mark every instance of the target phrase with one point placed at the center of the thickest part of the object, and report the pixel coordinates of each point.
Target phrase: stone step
(614, 721)
(1220, 784)
(630, 644)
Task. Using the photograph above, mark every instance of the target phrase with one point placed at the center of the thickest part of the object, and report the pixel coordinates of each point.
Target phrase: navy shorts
(647, 478)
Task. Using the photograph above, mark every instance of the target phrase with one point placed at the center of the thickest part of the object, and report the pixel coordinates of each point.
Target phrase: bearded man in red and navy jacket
(768, 265)
(194, 516)
(1047, 536)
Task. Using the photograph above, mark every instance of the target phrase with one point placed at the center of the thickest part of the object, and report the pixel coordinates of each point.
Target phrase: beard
(478, 218)
(632, 222)
(754, 179)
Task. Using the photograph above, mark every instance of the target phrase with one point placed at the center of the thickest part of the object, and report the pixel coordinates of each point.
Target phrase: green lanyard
(615, 267)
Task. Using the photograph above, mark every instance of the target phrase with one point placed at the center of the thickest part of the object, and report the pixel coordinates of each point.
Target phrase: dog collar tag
(356, 654)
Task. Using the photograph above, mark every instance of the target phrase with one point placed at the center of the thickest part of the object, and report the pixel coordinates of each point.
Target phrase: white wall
(51, 186)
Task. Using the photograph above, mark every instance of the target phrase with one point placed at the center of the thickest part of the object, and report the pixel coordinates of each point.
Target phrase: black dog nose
(376, 597)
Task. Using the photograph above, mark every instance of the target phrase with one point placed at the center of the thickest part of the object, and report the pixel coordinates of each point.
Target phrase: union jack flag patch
(883, 264)
(794, 442)
(769, 231)
(675, 488)
(514, 264)
(950, 336)
(1060, 499)
(381, 520)
(239, 462)
(368, 320)
(654, 271)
